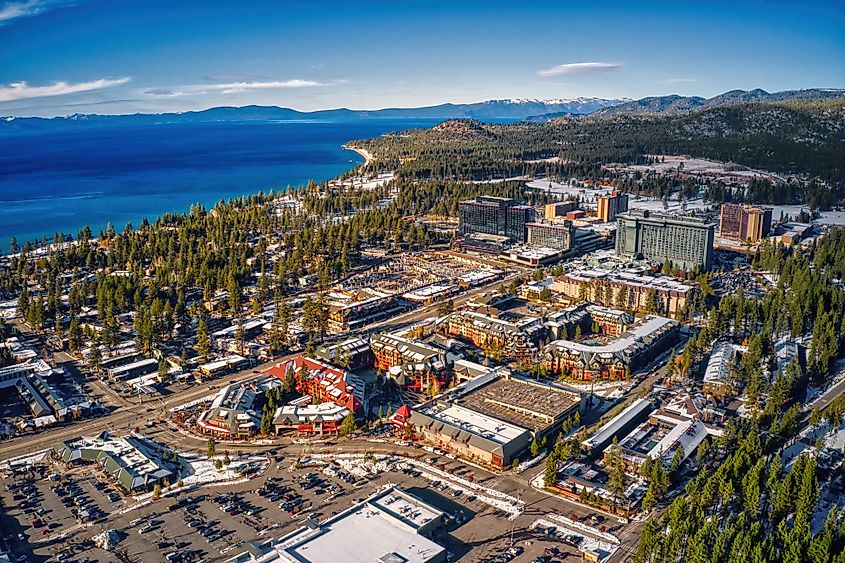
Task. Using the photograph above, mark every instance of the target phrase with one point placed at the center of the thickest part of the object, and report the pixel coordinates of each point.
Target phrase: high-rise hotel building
(609, 206)
(495, 216)
(744, 222)
(686, 242)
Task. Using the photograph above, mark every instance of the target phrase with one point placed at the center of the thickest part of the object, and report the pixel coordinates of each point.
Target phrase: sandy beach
(368, 158)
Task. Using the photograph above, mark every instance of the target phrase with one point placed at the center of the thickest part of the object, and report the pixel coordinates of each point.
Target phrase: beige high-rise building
(744, 222)
(611, 205)
(558, 209)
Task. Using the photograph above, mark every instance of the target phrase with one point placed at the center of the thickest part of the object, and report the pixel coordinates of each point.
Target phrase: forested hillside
(745, 504)
(805, 137)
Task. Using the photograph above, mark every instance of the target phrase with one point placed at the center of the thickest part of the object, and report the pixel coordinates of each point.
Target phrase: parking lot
(210, 523)
(41, 504)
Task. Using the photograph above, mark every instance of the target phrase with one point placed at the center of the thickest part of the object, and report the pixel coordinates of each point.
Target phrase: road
(121, 419)
(829, 396)
(129, 414)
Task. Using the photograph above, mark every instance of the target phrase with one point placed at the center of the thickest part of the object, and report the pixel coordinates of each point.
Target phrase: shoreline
(36, 242)
(368, 157)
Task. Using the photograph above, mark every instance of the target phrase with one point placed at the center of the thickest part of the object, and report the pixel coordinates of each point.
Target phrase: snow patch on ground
(364, 466)
(25, 460)
(204, 470)
(592, 539)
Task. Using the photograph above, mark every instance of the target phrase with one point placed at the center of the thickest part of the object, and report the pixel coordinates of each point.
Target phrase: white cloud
(165, 93)
(26, 8)
(233, 87)
(679, 80)
(579, 68)
(230, 87)
(22, 90)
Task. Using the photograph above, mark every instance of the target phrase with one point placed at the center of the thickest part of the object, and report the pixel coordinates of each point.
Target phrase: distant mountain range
(507, 109)
(491, 109)
(677, 104)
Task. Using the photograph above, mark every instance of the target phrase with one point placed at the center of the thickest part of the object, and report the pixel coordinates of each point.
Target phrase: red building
(322, 381)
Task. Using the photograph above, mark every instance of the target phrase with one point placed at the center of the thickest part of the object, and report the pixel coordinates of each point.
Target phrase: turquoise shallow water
(59, 180)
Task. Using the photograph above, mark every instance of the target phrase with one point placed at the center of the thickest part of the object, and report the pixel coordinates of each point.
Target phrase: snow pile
(206, 399)
(107, 540)
(25, 460)
(204, 471)
(530, 463)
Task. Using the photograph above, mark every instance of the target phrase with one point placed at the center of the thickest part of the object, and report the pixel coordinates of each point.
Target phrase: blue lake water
(59, 180)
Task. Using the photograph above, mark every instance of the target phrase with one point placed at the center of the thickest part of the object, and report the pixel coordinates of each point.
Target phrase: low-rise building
(391, 526)
(614, 359)
(619, 425)
(222, 365)
(484, 243)
(133, 369)
(493, 418)
(320, 419)
(431, 293)
(361, 308)
(250, 329)
(475, 278)
(464, 370)
(136, 464)
(717, 374)
(235, 410)
(678, 425)
(533, 256)
(45, 402)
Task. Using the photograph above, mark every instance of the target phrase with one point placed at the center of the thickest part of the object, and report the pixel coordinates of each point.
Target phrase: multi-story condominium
(614, 360)
(564, 324)
(550, 235)
(744, 222)
(323, 381)
(609, 206)
(515, 339)
(624, 290)
(407, 362)
(495, 216)
(686, 242)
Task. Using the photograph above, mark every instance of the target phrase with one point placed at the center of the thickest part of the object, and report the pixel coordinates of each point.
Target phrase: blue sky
(122, 56)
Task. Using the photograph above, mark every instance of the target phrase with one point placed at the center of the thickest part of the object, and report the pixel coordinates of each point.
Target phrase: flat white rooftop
(618, 422)
(367, 532)
(476, 423)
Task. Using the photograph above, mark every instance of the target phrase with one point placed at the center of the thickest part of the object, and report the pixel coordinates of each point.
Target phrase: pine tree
(163, 369)
(74, 334)
(348, 425)
(203, 345)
